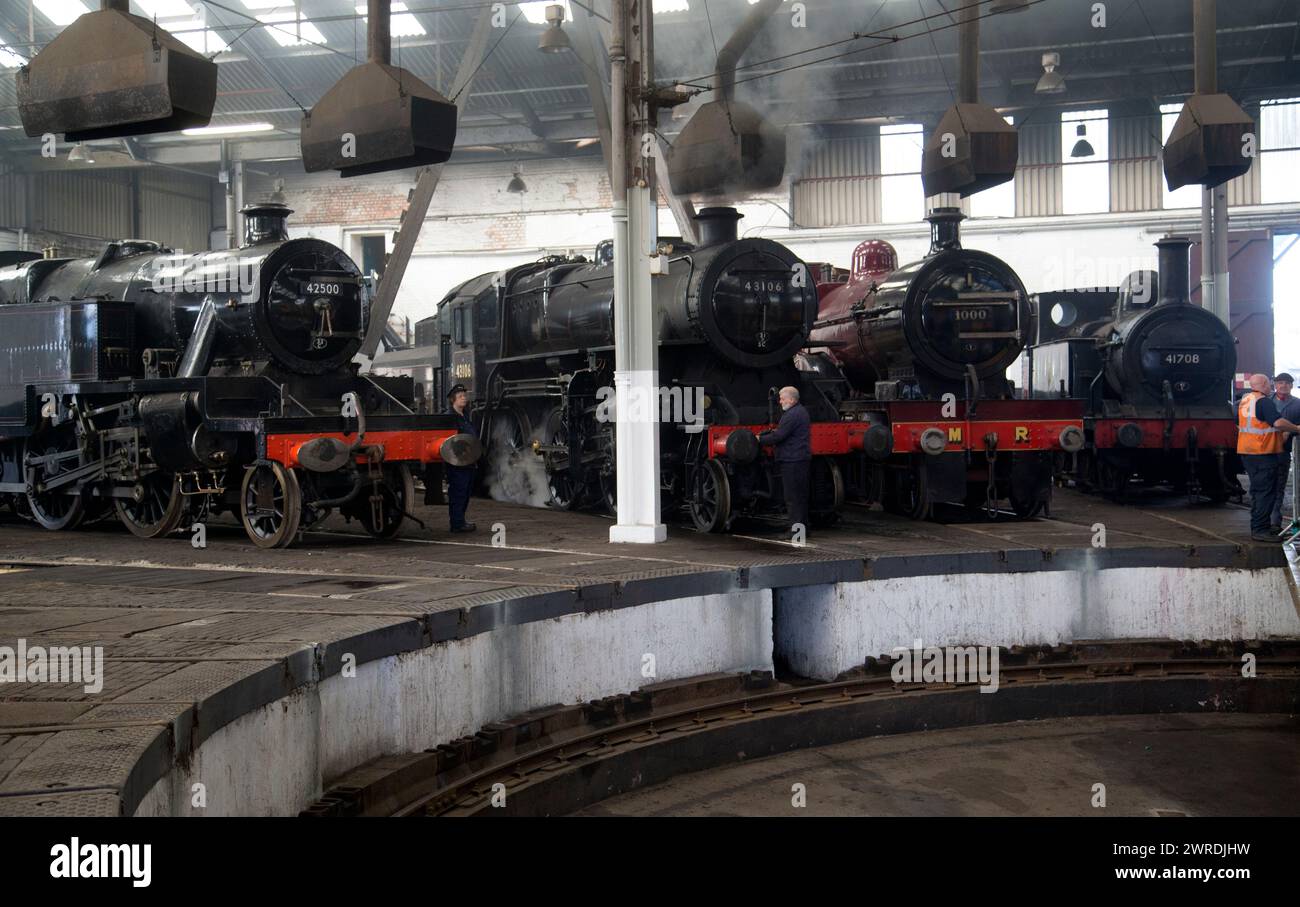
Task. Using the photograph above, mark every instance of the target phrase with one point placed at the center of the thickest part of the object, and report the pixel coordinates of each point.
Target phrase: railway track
(557, 760)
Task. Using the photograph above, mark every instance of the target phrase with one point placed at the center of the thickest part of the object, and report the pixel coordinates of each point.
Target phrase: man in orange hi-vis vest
(1260, 431)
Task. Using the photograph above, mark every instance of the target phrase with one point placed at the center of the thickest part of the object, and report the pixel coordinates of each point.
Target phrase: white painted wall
(822, 631)
(276, 760)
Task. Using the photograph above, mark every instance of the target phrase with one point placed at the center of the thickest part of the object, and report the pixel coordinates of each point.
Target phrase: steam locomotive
(1156, 372)
(168, 387)
(535, 346)
(924, 349)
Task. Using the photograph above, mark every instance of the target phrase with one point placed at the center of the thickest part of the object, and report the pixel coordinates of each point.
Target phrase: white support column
(636, 337)
(1222, 306)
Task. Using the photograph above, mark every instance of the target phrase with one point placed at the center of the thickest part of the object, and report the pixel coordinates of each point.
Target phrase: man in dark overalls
(460, 479)
(792, 439)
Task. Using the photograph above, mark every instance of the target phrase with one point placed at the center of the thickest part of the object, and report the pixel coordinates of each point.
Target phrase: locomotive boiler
(535, 345)
(167, 387)
(1156, 372)
(925, 348)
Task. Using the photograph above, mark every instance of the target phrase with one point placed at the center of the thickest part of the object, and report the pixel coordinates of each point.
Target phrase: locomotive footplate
(1161, 434)
(425, 446)
(1008, 426)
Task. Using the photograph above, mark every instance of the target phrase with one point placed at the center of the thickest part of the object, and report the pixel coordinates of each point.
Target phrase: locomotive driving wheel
(53, 509)
(564, 486)
(270, 505)
(157, 509)
(907, 492)
(827, 491)
(396, 497)
(710, 503)
(1025, 507)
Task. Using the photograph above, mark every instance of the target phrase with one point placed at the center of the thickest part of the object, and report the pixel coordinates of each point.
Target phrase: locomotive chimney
(1174, 266)
(264, 222)
(717, 225)
(944, 231)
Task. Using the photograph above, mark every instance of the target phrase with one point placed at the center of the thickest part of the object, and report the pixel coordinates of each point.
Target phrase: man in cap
(460, 479)
(1288, 407)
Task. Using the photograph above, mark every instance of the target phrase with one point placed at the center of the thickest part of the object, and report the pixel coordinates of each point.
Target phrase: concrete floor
(183, 627)
(1194, 765)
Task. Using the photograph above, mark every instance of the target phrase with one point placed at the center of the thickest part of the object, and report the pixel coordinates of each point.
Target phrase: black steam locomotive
(535, 345)
(168, 387)
(1156, 372)
(925, 349)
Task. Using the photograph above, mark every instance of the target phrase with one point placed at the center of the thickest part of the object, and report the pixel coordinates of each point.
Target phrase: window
(62, 12)
(998, 201)
(204, 40)
(401, 24)
(290, 30)
(535, 12)
(460, 327)
(1186, 196)
(1085, 167)
(1279, 150)
(165, 9)
(902, 197)
(9, 58)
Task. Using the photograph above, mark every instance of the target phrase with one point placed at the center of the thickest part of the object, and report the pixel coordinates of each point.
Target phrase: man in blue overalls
(460, 479)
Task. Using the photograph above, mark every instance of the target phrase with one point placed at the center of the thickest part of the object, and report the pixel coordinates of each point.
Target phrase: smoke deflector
(728, 145)
(973, 147)
(394, 120)
(111, 74)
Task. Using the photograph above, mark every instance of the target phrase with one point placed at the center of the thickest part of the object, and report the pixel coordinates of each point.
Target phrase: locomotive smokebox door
(111, 74)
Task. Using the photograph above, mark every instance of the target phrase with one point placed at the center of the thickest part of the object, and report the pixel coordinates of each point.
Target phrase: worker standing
(1259, 442)
(460, 479)
(792, 439)
(1288, 407)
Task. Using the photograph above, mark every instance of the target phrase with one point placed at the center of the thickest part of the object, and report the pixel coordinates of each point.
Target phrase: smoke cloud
(514, 474)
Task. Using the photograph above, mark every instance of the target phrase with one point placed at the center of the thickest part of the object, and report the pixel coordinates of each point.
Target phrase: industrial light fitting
(81, 154)
(1051, 82)
(554, 39)
(1082, 148)
(516, 184)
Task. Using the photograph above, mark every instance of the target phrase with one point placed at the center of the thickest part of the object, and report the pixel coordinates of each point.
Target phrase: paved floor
(1172, 765)
(228, 628)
